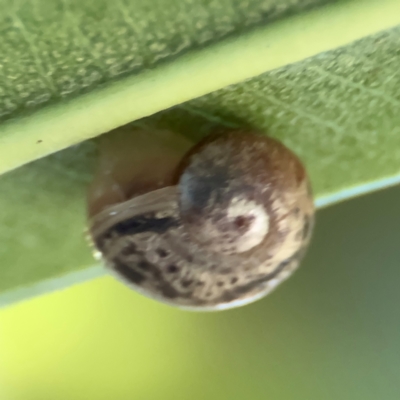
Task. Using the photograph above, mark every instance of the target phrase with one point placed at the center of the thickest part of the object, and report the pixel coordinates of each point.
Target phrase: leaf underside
(56, 51)
(337, 110)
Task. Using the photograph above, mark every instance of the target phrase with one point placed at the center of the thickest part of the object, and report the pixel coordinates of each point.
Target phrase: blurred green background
(330, 332)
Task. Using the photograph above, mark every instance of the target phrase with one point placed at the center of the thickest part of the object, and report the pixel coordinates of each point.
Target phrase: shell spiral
(235, 224)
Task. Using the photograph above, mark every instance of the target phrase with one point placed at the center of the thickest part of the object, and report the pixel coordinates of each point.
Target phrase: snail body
(232, 222)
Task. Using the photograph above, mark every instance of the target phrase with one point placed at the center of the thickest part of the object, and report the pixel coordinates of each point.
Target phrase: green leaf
(337, 110)
(73, 69)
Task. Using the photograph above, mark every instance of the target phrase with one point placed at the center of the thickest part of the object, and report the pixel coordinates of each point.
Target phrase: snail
(206, 227)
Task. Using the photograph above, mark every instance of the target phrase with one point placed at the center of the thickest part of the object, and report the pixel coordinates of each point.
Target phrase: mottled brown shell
(235, 225)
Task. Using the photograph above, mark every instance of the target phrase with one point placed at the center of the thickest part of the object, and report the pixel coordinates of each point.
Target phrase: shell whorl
(234, 226)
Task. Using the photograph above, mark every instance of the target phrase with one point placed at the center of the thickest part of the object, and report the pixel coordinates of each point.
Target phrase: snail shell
(232, 224)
